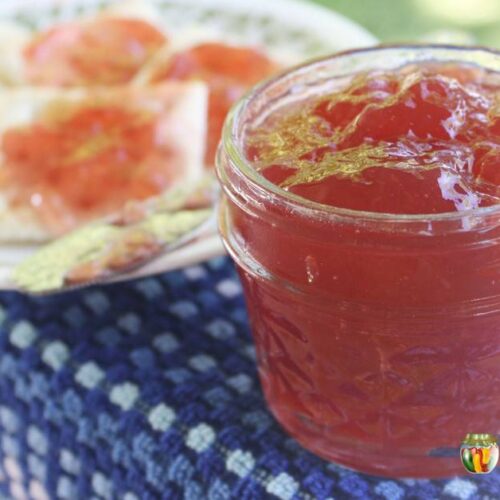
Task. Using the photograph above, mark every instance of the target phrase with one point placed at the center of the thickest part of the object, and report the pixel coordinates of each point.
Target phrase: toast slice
(177, 151)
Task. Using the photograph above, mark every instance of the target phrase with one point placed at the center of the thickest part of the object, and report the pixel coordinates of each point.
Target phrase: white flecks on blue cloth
(18, 492)
(194, 273)
(240, 462)
(12, 469)
(228, 288)
(66, 488)
(55, 354)
(37, 440)
(37, 491)
(37, 467)
(130, 322)
(102, 485)
(39, 386)
(69, 462)
(283, 486)
(183, 309)
(8, 419)
(161, 417)
(143, 358)
(217, 263)
(460, 488)
(130, 496)
(202, 362)
(150, 288)
(258, 419)
(108, 428)
(389, 490)
(249, 352)
(124, 395)
(97, 302)
(89, 375)
(10, 446)
(166, 343)
(218, 491)
(241, 382)
(23, 334)
(180, 471)
(178, 375)
(220, 329)
(217, 397)
(200, 437)
(409, 481)
(157, 474)
(72, 405)
(143, 447)
(193, 491)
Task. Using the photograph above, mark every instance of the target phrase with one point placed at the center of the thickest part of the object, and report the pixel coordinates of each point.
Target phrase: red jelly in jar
(362, 208)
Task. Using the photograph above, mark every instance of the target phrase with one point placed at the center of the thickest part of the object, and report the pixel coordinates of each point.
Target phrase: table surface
(149, 390)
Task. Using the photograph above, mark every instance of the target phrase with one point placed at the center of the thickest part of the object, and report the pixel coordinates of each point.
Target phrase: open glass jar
(377, 335)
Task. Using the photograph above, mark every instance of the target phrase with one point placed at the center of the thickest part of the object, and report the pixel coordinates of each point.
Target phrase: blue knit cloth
(148, 390)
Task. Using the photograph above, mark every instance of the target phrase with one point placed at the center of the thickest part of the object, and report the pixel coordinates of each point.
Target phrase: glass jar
(377, 335)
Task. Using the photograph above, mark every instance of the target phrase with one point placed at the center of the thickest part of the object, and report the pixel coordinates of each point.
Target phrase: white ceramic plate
(290, 31)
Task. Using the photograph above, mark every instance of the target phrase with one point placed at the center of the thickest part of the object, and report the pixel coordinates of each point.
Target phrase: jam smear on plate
(227, 70)
(103, 51)
(89, 158)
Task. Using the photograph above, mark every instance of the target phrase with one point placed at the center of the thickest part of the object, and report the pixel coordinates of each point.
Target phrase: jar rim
(231, 136)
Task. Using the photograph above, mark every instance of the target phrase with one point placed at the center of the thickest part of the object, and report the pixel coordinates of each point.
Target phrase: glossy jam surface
(104, 51)
(424, 140)
(88, 160)
(377, 343)
(228, 70)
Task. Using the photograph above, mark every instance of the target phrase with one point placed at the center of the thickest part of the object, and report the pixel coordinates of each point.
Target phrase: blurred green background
(447, 21)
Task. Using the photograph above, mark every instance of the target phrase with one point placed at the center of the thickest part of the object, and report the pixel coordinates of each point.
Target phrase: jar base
(357, 458)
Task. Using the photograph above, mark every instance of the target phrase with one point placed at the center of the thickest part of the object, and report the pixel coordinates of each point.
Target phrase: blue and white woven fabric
(148, 390)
